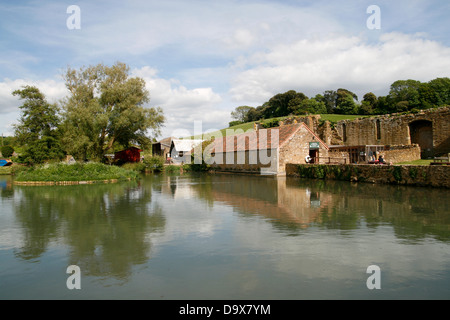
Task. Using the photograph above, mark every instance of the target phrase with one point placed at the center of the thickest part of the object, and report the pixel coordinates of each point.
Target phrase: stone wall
(297, 148)
(402, 153)
(395, 129)
(427, 176)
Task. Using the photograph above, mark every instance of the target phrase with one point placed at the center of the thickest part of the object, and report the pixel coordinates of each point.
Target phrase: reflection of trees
(105, 226)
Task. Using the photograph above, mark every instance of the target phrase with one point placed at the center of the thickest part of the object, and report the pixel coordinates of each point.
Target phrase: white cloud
(315, 65)
(183, 106)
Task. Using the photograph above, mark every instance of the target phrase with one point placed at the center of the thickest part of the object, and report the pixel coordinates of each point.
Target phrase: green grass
(5, 170)
(417, 162)
(339, 117)
(75, 172)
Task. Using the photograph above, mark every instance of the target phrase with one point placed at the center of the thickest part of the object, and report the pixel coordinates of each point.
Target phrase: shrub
(154, 164)
(172, 168)
(7, 151)
(235, 123)
(270, 123)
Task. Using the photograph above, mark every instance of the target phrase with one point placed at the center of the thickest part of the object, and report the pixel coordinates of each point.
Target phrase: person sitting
(308, 159)
(381, 160)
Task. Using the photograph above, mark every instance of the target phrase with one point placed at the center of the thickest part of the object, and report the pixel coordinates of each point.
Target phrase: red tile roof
(261, 139)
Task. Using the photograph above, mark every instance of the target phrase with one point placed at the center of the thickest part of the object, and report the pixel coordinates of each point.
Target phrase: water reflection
(106, 227)
(226, 237)
(293, 205)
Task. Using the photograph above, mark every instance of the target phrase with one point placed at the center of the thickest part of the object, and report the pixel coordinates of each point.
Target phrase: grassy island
(61, 173)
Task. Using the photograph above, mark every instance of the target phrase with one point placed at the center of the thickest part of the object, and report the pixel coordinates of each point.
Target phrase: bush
(235, 123)
(7, 151)
(270, 123)
(154, 164)
(135, 166)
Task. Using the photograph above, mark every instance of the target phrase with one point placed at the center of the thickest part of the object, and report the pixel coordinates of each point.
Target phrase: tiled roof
(258, 140)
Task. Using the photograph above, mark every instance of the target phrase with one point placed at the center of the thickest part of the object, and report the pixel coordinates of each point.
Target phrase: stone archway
(421, 133)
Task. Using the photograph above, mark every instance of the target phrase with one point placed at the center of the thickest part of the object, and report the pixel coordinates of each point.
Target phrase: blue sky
(202, 59)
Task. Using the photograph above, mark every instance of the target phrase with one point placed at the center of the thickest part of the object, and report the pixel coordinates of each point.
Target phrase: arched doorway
(421, 133)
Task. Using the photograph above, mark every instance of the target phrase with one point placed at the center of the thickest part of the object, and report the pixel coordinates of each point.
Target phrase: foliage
(106, 106)
(7, 151)
(240, 113)
(172, 168)
(234, 123)
(75, 172)
(37, 129)
(271, 123)
(154, 164)
(46, 149)
(404, 96)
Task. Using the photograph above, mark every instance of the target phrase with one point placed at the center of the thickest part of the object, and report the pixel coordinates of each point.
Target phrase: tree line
(404, 96)
(103, 111)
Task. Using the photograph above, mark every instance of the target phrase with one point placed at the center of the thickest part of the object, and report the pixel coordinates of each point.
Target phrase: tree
(106, 106)
(283, 104)
(347, 105)
(38, 125)
(441, 87)
(240, 113)
(329, 98)
(404, 94)
(7, 151)
(311, 106)
(368, 104)
(345, 102)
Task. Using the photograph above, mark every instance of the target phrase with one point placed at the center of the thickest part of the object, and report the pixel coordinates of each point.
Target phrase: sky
(202, 59)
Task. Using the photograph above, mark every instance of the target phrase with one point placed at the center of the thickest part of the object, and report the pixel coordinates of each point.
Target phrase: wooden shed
(131, 154)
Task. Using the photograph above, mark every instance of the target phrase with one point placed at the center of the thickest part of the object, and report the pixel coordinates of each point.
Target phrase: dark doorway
(314, 154)
(421, 132)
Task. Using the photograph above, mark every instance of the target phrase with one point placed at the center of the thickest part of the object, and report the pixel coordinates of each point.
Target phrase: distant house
(181, 149)
(162, 148)
(131, 154)
(266, 151)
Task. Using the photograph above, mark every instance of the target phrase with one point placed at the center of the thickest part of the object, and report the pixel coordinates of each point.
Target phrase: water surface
(224, 237)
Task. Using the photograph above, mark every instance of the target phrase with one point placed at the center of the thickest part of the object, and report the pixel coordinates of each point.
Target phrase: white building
(180, 150)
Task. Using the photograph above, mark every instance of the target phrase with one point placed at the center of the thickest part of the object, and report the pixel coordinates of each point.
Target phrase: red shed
(131, 154)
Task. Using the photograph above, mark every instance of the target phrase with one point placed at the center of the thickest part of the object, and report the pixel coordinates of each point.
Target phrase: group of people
(373, 157)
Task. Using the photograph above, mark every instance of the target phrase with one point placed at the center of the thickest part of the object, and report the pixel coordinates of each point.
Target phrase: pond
(223, 236)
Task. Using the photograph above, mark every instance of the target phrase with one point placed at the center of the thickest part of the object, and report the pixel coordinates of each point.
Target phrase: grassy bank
(75, 172)
(5, 170)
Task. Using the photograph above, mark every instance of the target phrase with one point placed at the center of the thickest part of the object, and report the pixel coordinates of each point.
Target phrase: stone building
(266, 151)
(430, 129)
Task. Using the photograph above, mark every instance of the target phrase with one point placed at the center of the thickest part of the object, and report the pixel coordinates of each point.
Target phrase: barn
(266, 151)
(131, 154)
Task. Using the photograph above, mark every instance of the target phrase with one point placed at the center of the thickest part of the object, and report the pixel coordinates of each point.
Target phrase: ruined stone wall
(401, 153)
(394, 129)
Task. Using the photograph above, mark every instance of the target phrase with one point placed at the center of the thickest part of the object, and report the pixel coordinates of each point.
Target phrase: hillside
(248, 126)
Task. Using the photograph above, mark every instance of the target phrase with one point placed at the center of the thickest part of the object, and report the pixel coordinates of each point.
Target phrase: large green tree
(107, 106)
(37, 130)
(240, 113)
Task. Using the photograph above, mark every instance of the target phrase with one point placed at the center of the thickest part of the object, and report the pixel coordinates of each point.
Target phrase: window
(378, 125)
(344, 132)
